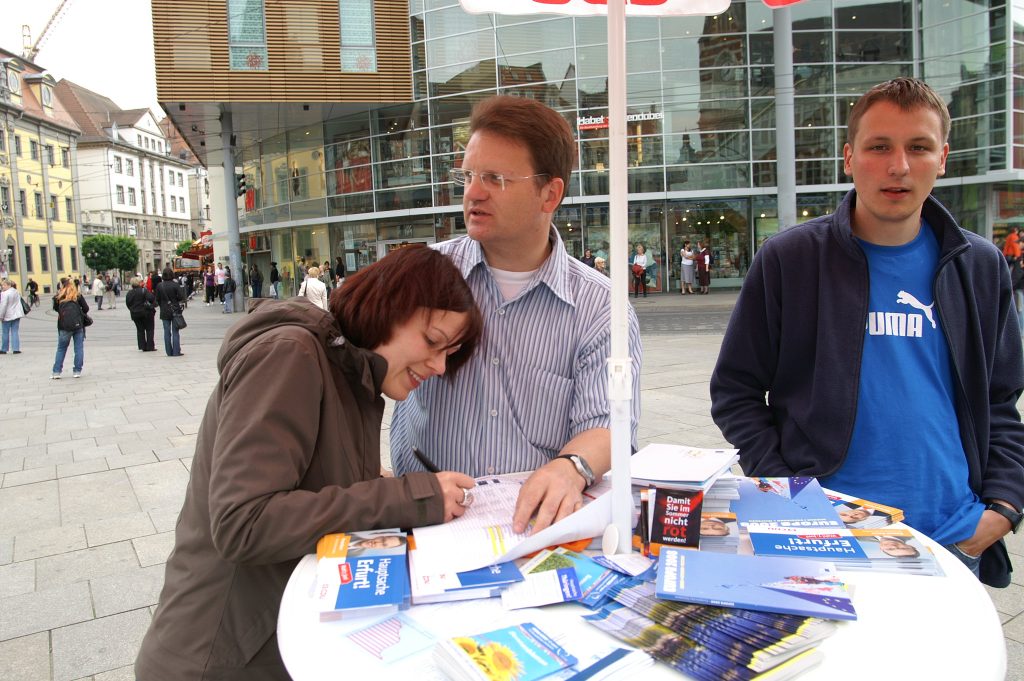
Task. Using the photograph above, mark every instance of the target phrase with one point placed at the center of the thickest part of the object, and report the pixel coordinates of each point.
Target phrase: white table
(908, 627)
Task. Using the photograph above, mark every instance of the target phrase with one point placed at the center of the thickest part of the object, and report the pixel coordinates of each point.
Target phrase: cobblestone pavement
(93, 472)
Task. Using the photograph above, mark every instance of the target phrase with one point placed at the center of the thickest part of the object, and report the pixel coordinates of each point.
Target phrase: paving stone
(27, 477)
(48, 542)
(128, 460)
(17, 578)
(22, 450)
(99, 645)
(70, 445)
(67, 470)
(11, 442)
(85, 564)
(142, 427)
(6, 550)
(96, 496)
(119, 528)
(1014, 661)
(49, 436)
(26, 658)
(1009, 600)
(97, 452)
(94, 433)
(28, 507)
(165, 519)
(45, 609)
(160, 484)
(55, 459)
(131, 590)
(121, 674)
(98, 418)
(154, 549)
(11, 464)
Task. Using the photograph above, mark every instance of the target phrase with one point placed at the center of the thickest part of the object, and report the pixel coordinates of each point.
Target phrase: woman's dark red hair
(377, 299)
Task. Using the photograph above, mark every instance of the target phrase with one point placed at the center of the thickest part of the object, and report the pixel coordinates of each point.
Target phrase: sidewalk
(93, 473)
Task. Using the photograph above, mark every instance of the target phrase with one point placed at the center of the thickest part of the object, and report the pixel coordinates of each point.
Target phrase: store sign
(598, 122)
(634, 8)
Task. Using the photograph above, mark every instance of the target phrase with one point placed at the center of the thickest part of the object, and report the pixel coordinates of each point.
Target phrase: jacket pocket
(242, 633)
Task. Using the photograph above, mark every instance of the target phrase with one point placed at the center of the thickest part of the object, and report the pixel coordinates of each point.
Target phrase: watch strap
(1013, 516)
(582, 467)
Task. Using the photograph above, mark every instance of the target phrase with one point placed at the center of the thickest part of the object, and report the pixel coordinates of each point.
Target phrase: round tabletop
(908, 626)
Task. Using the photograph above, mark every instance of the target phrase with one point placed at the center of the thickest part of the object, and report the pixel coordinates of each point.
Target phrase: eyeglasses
(493, 181)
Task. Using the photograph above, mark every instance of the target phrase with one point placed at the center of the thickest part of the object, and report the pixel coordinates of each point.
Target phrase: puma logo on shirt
(901, 323)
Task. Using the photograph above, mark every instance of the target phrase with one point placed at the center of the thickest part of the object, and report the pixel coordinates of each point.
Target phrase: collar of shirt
(553, 273)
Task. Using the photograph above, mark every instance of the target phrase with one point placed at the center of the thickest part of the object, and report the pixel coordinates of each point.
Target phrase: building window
(174, 204)
(24, 203)
(65, 157)
(206, 212)
(44, 260)
(247, 36)
(28, 259)
(12, 264)
(69, 212)
(33, 150)
(358, 49)
(58, 257)
(138, 139)
(17, 146)
(181, 180)
(54, 215)
(170, 178)
(117, 164)
(129, 167)
(120, 194)
(74, 258)
(131, 196)
(3, 142)
(5, 200)
(51, 158)
(39, 204)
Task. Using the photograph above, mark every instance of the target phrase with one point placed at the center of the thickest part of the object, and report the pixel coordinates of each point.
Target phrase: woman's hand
(452, 486)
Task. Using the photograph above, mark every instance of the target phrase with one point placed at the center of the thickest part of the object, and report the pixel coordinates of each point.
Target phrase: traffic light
(240, 184)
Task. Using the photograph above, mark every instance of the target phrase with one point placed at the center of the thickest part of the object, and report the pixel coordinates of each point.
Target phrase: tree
(183, 246)
(126, 253)
(98, 251)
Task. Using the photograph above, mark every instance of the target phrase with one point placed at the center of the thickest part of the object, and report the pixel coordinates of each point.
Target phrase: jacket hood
(265, 314)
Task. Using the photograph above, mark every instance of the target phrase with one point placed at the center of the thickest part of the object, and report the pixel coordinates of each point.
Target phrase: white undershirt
(511, 284)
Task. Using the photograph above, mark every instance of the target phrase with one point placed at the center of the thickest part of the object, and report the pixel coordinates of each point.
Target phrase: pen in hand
(427, 463)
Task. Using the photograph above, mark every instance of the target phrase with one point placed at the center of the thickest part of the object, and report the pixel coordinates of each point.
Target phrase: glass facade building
(700, 121)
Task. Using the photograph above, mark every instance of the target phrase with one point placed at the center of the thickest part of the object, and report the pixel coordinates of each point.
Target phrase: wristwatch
(582, 467)
(1014, 517)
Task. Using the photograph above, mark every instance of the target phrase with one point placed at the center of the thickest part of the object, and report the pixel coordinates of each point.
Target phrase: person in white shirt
(313, 288)
(10, 314)
(641, 261)
(686, 256)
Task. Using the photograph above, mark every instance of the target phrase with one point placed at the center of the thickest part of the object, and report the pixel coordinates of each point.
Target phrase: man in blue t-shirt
(886, 341)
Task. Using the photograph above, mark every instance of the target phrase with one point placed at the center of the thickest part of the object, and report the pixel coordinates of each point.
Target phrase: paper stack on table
(680, 467)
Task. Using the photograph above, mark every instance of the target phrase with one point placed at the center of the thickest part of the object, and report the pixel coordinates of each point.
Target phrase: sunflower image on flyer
(518, 653)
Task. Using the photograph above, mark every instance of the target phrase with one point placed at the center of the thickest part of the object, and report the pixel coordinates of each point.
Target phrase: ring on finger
(467, 498)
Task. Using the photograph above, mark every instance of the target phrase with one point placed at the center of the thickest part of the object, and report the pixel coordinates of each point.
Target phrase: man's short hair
(543, 131)
(906, 93)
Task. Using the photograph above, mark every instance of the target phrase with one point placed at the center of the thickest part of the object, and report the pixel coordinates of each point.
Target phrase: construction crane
(31, 49)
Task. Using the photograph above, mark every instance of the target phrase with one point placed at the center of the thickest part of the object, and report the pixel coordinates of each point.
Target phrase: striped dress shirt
(538, 378)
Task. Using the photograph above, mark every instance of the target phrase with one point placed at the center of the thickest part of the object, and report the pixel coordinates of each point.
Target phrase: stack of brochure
(719, 533)
(522, 652)
(680, 467)
(361, 574)
(859, 514)
(442, 587)
(708, 642)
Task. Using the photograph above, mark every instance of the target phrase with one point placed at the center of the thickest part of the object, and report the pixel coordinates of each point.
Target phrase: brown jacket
(288, 450)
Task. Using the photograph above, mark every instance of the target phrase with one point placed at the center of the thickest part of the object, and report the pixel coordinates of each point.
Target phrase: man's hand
(991, 528)
(553, 491)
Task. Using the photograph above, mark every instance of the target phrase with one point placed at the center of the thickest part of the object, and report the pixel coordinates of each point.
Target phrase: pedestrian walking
(11, 312)
(142, 307)
(339, 271)
(71, 310)
(210, 284)
(219, 276)
(275, 277)
(313, 288)
(108, 291)
(256, 281)
(641, 261)
(115, 284)
(229, 292)
(170, 297)
(97, 291)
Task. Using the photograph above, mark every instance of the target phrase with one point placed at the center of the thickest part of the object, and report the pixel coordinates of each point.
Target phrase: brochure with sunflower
(518, 653)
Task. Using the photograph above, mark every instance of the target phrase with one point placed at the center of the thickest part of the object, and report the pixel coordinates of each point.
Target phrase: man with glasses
(534, 397)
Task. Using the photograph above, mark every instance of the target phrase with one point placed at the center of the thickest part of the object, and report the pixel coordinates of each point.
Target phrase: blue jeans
(63, 340)
(10, 336)
(973, 563)
(229, 303)
(172, 344)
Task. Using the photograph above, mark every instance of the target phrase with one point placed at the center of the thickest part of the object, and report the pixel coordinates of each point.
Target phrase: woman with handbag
(72, 313)
(640, 264)
(11, 311)
(142, 307)
(289, 450)
(170, 297)
(313, 288)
